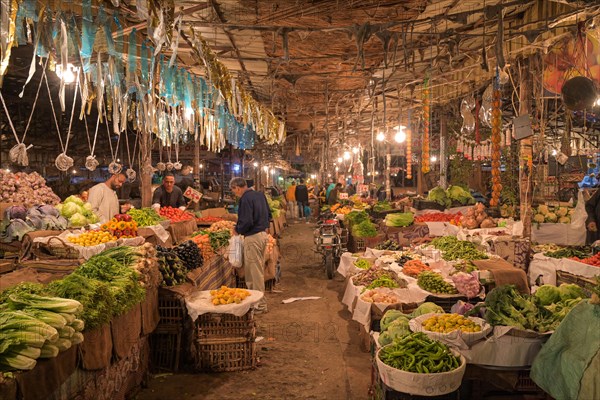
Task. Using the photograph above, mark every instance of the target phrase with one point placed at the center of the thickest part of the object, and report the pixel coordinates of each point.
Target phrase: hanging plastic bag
(235, 251)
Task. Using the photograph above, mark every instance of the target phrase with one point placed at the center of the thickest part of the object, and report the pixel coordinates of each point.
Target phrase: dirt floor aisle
(310, 349)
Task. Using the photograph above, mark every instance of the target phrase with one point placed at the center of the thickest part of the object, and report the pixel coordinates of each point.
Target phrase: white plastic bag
(236, 251)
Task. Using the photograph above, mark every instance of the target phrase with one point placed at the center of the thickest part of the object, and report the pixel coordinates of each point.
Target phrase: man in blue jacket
(253, 221)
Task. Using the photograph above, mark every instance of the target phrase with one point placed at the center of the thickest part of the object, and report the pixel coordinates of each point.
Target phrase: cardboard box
(213, 212)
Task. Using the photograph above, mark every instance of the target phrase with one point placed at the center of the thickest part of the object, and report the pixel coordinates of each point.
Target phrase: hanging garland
(409, 148)
(496, 139)
(426, 121)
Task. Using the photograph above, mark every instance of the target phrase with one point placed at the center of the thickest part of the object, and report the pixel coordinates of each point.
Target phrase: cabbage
(562, 211)
(78, 220)
(459, 194)
(388, 317)
(74, 199)
(547, 294)
(438, 195)
(93, 219)
(87, 206)
(570, 291)
(564, 220)
(69, 209)
(427, 308)
(398, 328)
(59, 208)
(16, 212)
(539, 218)
(48, 210)
(543, 209)
(15, 231)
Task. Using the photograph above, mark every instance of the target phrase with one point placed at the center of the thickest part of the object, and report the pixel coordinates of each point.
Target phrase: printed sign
(343, 196)
(192, 194)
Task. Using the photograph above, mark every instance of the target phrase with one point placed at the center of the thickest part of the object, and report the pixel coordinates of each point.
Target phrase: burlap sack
(125, 330)
(149, 310)
(96, 350)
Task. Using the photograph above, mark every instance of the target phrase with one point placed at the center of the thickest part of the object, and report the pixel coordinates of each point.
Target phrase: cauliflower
(564, 220)
(539, 218)
(571, 212)
(543, 209)
(562, 212)
(551, 217)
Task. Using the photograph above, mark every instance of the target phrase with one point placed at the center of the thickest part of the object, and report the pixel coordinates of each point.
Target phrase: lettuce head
(74, 199)
(78, 220)
(69, 209)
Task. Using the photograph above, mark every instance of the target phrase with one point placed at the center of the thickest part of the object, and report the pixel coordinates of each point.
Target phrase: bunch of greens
(438, 195)
(542, 312)
(399, 219)
(365, 229)
(356, 217)
(384, 281)
(382, 206)
(457, 193)
(568, 252)
(219, 239)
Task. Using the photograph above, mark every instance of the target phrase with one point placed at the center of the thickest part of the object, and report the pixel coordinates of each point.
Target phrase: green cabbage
(547, 294)
(87, 206)
(438, 194)
(569, 291)
(74, 199)
(388, 317)
(78, 220)
(459, 194)
(69, 209)
(427, 308)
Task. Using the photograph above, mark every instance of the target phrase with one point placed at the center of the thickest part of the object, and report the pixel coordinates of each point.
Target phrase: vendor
(592, 207)
(187, 179)
(168, 195)
(333, 195)
(103, 198)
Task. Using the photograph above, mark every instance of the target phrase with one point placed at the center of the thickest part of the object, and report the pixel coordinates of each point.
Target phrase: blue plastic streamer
(144, 67)
(132, 62)
(88, 35)
(188, 91)
(20, 26)
(106, 25)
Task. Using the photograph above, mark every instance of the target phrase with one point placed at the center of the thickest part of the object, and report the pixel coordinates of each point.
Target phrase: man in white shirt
(104, 199)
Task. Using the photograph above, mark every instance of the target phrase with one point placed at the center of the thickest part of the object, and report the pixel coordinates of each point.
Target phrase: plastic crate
(525, 384)
(171, 308)
(225, 343)
(427, 205)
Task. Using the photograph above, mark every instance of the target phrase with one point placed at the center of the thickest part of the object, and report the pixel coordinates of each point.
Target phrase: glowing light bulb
(68, 76)
(337, 169)
(554, 152)
(328, 175)
(189, 111)
(346, 155)
(339, 160)
(400, 136)
(255, 164)
(201, 166)
(74, 172)
(433, 158)
(266, 169)
(355, 150)
(380, 137)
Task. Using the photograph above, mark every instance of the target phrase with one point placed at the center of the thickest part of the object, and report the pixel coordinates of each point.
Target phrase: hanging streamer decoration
(426, 122)
(409, 147)
(496, 139)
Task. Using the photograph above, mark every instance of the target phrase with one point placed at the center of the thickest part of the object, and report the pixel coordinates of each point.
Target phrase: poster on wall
(570, 57)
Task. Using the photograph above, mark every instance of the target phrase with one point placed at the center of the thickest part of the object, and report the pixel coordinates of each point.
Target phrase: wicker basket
(165, 349)
(587, 284)
(58, 248)
(225, 343)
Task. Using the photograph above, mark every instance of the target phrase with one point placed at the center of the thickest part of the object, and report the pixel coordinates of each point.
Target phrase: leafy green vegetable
(145, 216)
(547, 294)
(569, 291)
(356, 217)
(365, 229)
(399, 219)
(55, 304)
(382, 206)
(567, 253)
(427, 308)
(454, 249)
(389, 316)
(438, 195)
(459, 194)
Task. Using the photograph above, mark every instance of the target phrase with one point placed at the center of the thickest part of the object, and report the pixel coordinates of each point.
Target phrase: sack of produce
(236, 251)
(428, 368)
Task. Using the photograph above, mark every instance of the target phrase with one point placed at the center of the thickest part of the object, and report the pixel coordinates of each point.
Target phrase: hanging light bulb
(400, 136)
(380, 137)
(433, 158)
(346, 155)
(255, 164)
(266, 168)
(189, 111)
(68, 76)
(328, 175)
(355, 150)
(339, 160)
(554, 152)
(336, 169)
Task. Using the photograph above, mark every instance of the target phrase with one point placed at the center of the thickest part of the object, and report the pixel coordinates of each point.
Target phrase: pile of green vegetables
(418, 353)
(382, 206)
(356, 217)
(173, 269)
(568, 252)
(435, 283)
(34, 327)
(389, 245)
(145, 216)
(541, 312)
(378, 277)
(452, 194)
(365, 229)
(362, 264)
(454, 249)
(394, 323)
(399, 219)
(219, 239)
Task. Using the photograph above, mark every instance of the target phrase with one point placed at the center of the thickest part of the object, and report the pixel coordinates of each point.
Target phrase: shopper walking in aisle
(302, 199)
(253, 221)
(104, 199)
(290, 196)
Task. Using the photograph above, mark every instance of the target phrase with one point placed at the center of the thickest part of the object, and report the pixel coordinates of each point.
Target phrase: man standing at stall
(302, 199)
(103, 198)
(253, 221)
(168, 195)
(592, 207)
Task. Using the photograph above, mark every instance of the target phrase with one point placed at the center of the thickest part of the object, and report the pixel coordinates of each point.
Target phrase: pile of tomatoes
(175, 214)
(439, 217)
(593, 260)
(208, 220)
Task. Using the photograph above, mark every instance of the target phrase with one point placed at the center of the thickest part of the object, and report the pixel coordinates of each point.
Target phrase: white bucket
(422, 384)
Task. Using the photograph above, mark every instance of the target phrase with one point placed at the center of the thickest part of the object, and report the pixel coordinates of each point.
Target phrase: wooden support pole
(146, 167)
(525, 153)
